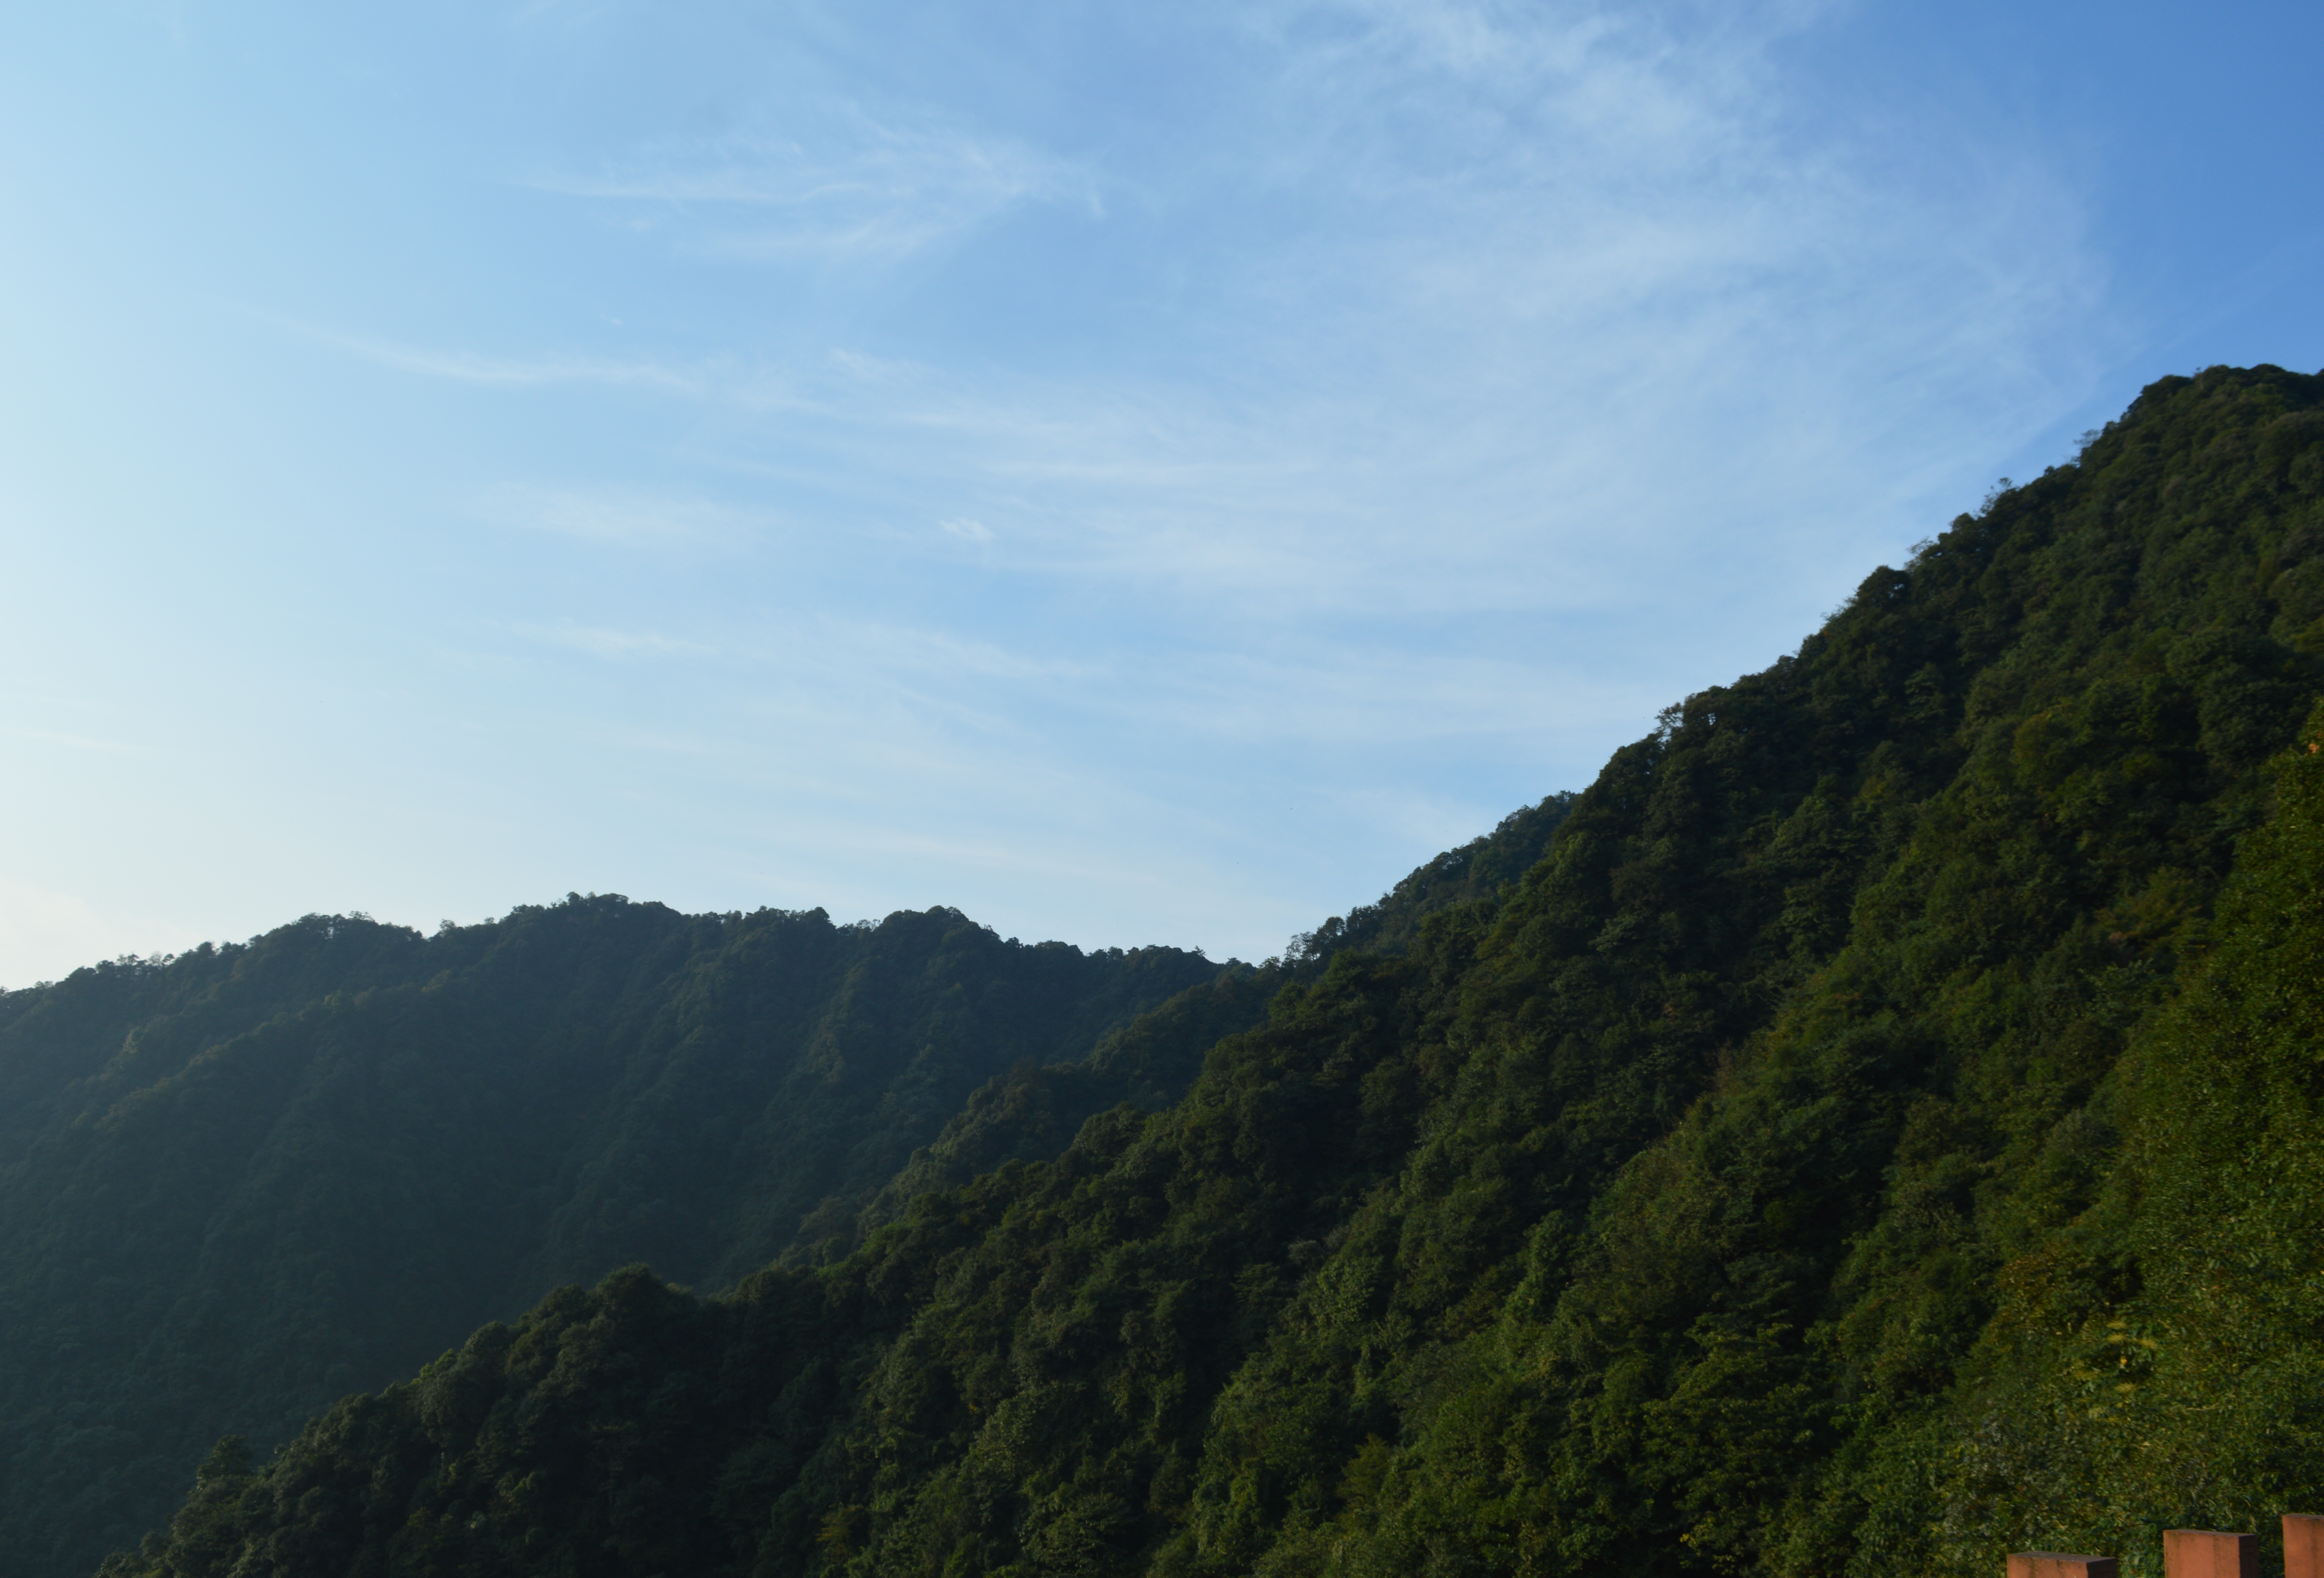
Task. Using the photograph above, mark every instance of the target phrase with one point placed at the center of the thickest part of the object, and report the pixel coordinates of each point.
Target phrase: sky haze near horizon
(1133, 476)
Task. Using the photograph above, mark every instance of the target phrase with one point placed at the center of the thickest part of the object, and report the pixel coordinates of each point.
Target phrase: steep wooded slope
(1841, 1153)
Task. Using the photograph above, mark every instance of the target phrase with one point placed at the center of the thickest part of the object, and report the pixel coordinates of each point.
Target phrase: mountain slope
(1840, 1153)
(1033, 1112)
(239, 1184)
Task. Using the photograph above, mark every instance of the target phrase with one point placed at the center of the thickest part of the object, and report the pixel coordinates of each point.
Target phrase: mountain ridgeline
(237, 1185)
(1878, 1132)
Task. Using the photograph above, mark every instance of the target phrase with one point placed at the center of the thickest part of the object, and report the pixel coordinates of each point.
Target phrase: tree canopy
(239, 1184)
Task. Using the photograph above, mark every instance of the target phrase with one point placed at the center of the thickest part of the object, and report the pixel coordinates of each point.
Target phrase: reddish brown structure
(2303, 1545)
(2203, 1552)
(2057, 1565)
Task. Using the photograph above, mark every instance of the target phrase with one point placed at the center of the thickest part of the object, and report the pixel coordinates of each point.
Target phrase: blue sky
(1136, 473)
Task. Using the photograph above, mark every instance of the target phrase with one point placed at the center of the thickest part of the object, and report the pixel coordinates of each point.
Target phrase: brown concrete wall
(2204, 1553)
(2058, 1564)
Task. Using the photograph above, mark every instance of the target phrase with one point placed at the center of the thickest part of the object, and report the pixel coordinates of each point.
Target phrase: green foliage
(2161, 1362)
(1877, 1133)
(241, 1183)
(1032, 1112)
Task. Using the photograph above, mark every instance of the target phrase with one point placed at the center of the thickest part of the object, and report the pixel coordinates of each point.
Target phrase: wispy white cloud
(921, 649)
(1357, 695)
(462, 367)
(850, 188)
(613, 643)
(622, 516)
(1518, 274)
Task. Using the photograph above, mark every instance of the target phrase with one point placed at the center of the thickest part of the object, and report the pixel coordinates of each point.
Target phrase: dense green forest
(1877, 1133)
(240, 1184)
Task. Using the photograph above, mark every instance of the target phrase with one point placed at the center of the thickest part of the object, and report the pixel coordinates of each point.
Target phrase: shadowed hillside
(239, 1185)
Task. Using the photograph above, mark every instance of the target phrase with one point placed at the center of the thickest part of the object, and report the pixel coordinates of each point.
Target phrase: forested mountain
(1033, 1112)
(239, 1185)
(1880, 1132)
